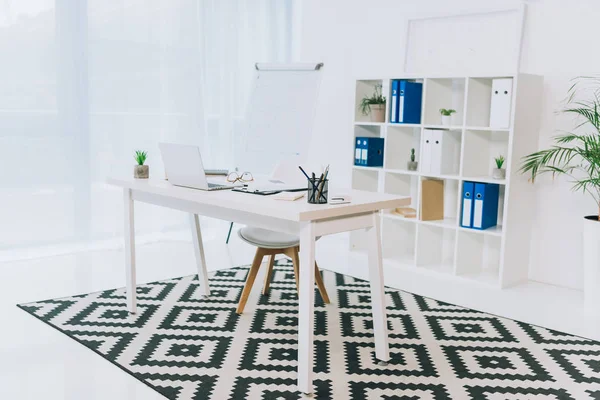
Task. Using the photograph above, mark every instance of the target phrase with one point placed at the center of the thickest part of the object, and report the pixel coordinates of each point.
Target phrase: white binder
(501, 103)
(426, 149)
(438, 152)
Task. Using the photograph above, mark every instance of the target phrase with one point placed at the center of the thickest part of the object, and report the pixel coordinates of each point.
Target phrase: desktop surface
(267, 206)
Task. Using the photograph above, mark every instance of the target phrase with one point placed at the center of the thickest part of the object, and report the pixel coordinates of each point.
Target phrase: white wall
(365, 39)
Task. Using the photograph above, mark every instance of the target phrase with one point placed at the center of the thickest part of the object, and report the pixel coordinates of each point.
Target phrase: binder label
(401, 107)
(478, 212)
(466, 217)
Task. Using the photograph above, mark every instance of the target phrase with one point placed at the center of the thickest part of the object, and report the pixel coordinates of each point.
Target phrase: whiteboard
(465, 43)
(280, 114)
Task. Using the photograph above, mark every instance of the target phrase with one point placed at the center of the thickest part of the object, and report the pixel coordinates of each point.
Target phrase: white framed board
(280, 114)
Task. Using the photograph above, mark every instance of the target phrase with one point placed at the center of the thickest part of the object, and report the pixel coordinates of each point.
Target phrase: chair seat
(268, 239)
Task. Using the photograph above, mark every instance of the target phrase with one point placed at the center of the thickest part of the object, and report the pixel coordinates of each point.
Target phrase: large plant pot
(377, 112)
(591, 264)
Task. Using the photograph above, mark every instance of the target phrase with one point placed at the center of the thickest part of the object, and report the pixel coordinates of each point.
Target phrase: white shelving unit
(498, 256)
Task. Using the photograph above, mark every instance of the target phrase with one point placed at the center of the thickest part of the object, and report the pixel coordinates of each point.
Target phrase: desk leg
(306, 308)
(382, 351)
(129, 251)
(199, 253)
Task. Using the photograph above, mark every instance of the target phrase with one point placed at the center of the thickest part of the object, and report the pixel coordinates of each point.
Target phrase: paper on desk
(269, 185)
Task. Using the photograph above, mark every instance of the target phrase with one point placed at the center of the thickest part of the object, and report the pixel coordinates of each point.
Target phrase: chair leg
(258, 257)
(229, 233)
(321, 285)
(293, 253)
(269, 275)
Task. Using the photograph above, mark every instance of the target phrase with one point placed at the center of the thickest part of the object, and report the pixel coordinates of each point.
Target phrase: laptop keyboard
(214, 185)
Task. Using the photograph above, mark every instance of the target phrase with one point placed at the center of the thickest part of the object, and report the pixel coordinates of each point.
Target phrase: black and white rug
(188, 348)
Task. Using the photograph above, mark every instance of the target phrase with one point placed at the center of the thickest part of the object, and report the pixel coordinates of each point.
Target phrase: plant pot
(446, 120)
(591, 265)
(141, 171)
(499, 173)
(412, 165)
(377, 113)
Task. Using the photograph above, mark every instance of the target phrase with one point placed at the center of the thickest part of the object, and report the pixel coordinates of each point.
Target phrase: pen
(307, 177)
(323, 182)
(305, 174)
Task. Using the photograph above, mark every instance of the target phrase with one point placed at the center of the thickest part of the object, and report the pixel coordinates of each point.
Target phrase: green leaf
(140, 157)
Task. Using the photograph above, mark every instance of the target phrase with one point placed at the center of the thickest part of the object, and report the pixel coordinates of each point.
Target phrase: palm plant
(574, 155)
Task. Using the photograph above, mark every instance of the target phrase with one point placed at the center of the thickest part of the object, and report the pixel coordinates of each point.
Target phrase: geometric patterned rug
(186, 347)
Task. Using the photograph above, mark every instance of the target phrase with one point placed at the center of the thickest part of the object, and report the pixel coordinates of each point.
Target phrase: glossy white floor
(38, 362)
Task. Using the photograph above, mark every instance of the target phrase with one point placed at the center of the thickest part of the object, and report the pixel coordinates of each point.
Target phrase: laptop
(183, 165)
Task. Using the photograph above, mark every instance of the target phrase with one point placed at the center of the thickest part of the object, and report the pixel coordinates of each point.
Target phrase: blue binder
(466, 215)
(394, 102)
(485, 205)
(371, 151)
(409, 101)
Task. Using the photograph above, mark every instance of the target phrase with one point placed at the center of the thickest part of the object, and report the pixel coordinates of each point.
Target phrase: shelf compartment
(367, 88)
(365, 178)
(484, 179)
(478, 256)
(479, 100)
(450, 223)
(435, 248)
(391, 215)
(440, 152)
(399, 142)
(370, 130)
(451, 197)
(444, 93)
(398, 240)
(402, 185)
(494, 230)
(480, 149)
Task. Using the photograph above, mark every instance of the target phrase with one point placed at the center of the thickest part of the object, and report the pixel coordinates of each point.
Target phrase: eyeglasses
(235, 177)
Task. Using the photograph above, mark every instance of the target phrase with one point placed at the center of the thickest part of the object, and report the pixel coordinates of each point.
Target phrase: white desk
(299, 218)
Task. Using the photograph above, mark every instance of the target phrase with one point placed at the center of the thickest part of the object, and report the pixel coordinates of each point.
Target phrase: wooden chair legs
(321, 285)
(269, 275)
(258, 257)
(291, 252)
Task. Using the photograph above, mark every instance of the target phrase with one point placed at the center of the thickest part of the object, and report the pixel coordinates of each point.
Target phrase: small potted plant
(447, 116)
(141, 171)
(412, 164)
(499, 172)
(374, 105)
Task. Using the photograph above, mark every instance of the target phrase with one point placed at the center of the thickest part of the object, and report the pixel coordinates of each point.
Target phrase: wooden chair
(270, 243)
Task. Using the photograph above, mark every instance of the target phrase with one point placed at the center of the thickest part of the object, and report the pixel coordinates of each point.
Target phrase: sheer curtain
(85, 83)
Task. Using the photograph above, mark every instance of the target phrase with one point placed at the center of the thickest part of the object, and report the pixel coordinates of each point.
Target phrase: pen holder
(317, 191)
